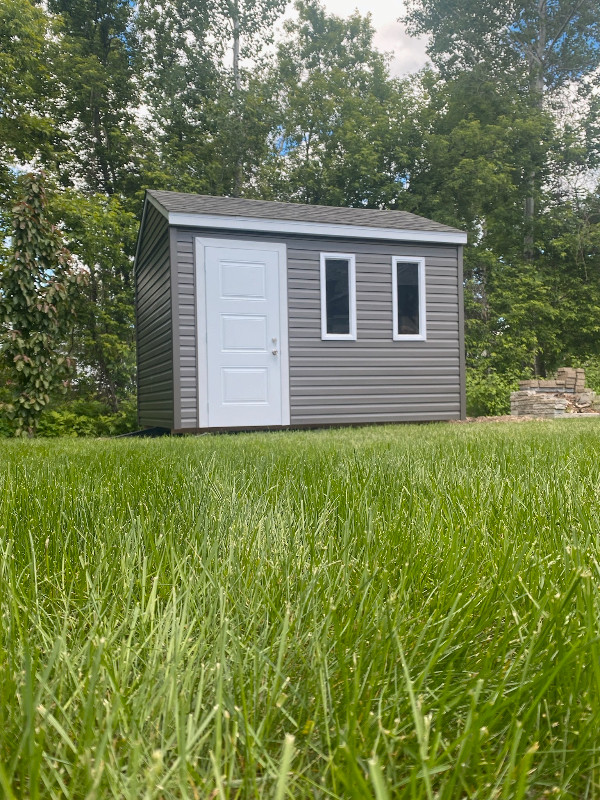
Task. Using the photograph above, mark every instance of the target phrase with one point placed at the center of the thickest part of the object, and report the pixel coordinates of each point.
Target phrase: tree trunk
(536, 88)
(106, 186)
(238, 175)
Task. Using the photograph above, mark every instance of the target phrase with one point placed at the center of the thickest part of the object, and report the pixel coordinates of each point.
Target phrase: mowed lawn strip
(408, 611)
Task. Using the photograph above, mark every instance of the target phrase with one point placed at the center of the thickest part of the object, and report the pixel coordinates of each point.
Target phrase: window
(408, 298)
(338, 296)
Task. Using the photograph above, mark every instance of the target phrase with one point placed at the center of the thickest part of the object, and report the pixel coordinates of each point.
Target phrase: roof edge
(149, 199)
(156, 203)
(337, 230)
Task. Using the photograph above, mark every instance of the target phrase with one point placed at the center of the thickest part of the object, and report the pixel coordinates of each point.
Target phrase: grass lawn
(386, 612)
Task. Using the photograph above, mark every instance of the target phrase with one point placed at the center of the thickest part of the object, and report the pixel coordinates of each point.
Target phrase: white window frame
(351, 259)
(421, 336)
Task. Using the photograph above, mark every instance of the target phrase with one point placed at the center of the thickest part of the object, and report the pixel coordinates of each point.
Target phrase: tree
(97, 51)
(27, 128)
(500, 158)
(519, 319)
(570, 264)
(343, 123)
(470, 160)
(101, 235)
(178, 77)
(36, 308)
(543, 43)
(209, 121)
(248, 25)
(533, 45)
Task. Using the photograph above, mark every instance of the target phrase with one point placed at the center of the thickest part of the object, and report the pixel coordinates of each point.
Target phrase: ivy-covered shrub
(37, 303)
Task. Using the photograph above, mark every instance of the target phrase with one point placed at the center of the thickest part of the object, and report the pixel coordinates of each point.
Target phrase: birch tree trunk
(238, 176)
(536, 87)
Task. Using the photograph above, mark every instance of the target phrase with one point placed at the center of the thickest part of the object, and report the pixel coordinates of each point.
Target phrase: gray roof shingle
(178, 202)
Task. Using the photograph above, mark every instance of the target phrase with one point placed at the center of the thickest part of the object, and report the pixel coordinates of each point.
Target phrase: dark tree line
(500, 137)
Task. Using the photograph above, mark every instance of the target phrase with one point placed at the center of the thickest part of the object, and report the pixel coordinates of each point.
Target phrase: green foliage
(497, 161)
(342, 119)
(488, 393)
(179, 89)
(416, 605)
(592, 373)
(523, 316)
(526, 318)
(570, 264)
(26, 86)
(36, 307)
(75, 416)
(477, 144)
(209, 122)
(101, 235)
(7, 425)
(101, 141)
(558, 40)
(113, 96)
(88, 418)
(248, 25)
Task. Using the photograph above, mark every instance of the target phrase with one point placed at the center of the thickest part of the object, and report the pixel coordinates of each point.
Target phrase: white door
(244, 294)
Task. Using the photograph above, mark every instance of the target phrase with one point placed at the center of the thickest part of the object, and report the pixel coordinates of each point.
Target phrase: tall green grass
(406, 612)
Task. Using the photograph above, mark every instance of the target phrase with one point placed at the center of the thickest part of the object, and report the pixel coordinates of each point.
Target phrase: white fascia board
(284, 226)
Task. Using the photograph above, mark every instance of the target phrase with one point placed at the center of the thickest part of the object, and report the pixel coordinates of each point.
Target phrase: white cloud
(408, 53)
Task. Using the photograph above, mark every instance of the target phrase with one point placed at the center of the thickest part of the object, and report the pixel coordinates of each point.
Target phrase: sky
(408, 53)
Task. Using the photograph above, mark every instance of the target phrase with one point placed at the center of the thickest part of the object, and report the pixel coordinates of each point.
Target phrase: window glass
(337, 295)
(407, 288)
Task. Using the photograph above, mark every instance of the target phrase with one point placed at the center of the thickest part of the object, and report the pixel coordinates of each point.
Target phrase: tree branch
(563, 27)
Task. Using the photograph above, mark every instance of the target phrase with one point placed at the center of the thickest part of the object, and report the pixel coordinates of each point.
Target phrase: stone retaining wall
(554, 397)
(529, 403)
(567, 379)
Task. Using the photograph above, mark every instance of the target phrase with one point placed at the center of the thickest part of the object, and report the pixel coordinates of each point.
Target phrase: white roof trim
(222, 222)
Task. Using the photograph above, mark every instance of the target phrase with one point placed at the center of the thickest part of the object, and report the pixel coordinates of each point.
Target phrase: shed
(260, 314)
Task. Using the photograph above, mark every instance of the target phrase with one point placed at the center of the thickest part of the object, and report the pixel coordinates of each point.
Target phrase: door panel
(245, 385)
(243, 336)
(244, 332)
(243, 280)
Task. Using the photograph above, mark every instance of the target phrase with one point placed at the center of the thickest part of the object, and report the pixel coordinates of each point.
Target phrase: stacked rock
(572, 379)
(529, 403)
(554, 396)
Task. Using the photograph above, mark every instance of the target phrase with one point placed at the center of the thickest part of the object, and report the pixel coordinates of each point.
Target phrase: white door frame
(201, 334)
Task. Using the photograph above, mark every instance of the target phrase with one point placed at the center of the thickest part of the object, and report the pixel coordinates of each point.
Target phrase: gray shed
(259, 314)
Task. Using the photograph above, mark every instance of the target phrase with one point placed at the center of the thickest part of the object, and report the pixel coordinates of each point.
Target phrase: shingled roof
(180, 203)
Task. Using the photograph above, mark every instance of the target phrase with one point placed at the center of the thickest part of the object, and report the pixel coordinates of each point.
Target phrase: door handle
(275, 352)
